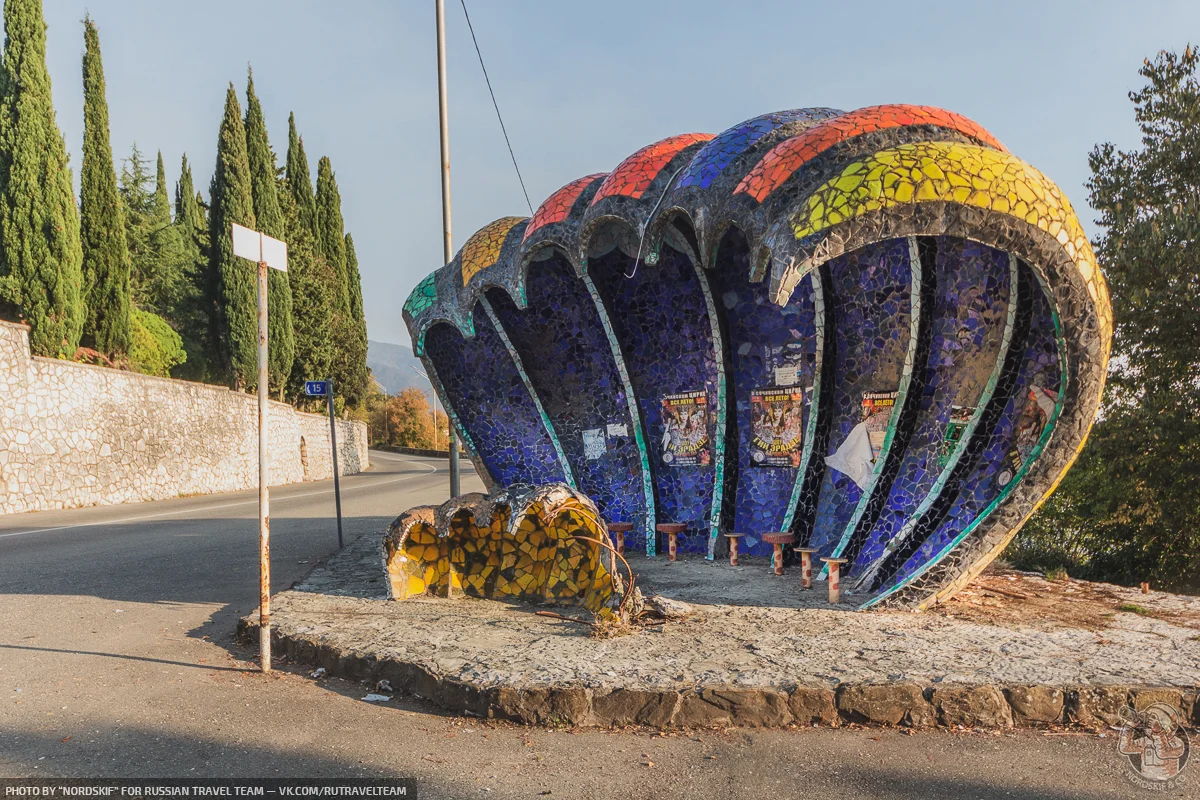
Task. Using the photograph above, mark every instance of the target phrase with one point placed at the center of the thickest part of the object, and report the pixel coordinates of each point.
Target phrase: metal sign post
(325, 389)
(264, 493)
(266, 252)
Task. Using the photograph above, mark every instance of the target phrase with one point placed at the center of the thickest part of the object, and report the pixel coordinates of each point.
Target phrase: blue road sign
(316, 388)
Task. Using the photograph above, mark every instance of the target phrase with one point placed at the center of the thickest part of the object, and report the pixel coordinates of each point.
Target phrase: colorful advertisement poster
(776, 426)
(876, 413)
(960, 417)
(685, 441)
(1039, 404)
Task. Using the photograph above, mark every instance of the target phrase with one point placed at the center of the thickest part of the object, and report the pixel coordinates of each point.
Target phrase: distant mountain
(393, 365)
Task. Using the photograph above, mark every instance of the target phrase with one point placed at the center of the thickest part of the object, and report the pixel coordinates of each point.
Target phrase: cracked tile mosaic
(634, 175)
(568, 360)
(699, 348)
(790, 155)
(660, 318)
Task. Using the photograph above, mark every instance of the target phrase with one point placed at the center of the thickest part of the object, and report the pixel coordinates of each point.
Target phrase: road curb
(894, 704)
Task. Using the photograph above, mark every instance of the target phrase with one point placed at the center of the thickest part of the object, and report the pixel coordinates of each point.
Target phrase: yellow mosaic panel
(959, 173)
(539, 561)
(483, 248)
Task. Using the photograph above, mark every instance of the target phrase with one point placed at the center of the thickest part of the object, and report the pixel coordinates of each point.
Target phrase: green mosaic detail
(634, 413)
(810, 430)
(718, 495)
(422, 297)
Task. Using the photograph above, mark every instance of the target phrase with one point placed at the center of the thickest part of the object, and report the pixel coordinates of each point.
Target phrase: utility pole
(447, 245)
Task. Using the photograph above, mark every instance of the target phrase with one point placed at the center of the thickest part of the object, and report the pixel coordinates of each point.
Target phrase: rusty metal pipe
(264, 493)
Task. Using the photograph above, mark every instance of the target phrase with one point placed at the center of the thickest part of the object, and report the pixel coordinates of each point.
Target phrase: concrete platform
(1013, 649)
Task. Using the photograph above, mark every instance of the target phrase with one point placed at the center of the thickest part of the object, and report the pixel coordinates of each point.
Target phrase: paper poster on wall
(685, 441)
(617, 430)
(594, 445)
(876, 413)
(776, 426)
(960, 417)
(1039, 404)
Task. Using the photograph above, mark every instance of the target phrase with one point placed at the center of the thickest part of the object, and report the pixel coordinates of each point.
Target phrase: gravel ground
(755, 629)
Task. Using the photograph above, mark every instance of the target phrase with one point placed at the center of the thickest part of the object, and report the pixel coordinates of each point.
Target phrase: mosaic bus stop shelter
(877, 330)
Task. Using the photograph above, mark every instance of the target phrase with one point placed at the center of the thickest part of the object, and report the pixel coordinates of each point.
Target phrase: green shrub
(156, 347)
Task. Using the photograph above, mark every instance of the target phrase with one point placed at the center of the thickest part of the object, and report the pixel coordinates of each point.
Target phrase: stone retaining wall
(78, 435)
(901, 703)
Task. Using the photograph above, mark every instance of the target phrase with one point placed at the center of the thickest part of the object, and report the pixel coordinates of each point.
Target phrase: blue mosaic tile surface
(870, 312)
(762, 336)
(491, 402)
(567, 358)
(715, 156)
(969, 312)
(661, 322)
(1039, 370)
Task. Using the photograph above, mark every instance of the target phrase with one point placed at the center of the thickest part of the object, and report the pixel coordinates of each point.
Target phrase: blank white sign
(257, 247)
(274, 252)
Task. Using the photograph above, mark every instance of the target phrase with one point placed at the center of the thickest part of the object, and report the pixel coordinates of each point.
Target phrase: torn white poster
(855, 457)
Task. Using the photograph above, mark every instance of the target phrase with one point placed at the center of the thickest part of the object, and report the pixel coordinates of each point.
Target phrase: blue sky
(582, 85)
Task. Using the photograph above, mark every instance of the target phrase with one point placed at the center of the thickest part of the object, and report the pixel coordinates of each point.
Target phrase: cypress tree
(349, 366)
(166, 250)
(263, 182)
(137, 203)
(41, 259)
(331, 230)
(235, 279)
(161, 206)
(357, 358)
(299, 180)
(102, 225)
(193, 315)
(189, 218)
(311, 279)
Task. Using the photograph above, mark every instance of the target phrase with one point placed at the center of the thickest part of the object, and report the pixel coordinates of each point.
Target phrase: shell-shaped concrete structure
(878, 330)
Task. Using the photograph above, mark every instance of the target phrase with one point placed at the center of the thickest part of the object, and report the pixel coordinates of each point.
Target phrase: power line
(496, 106)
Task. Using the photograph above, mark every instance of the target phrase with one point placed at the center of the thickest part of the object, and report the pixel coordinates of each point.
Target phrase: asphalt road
(117, 659)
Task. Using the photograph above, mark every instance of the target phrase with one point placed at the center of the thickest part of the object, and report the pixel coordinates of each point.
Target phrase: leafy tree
(1127, 511)
(102, 225)
(236, 334)
(41, 258)
(156, 347)
(406, 420)
(263, 181)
